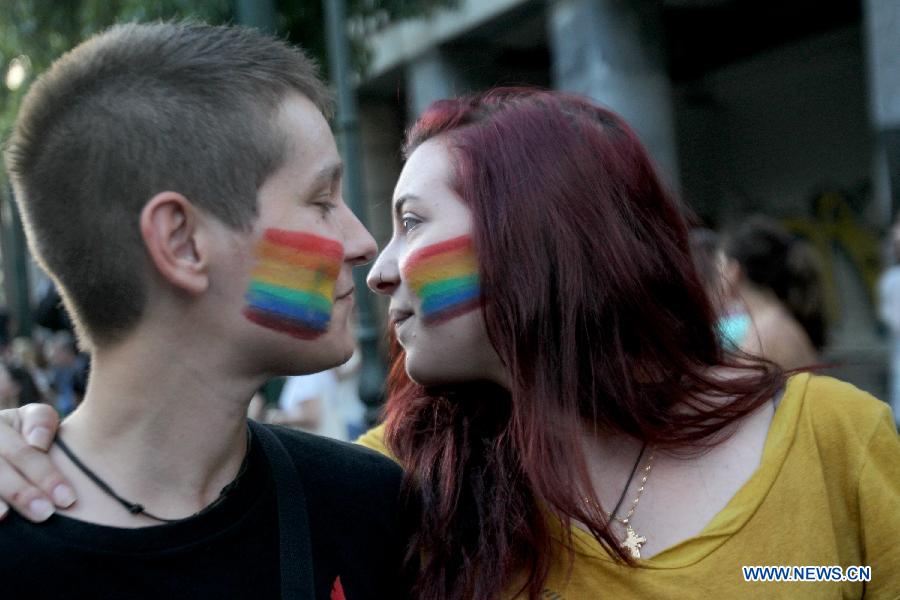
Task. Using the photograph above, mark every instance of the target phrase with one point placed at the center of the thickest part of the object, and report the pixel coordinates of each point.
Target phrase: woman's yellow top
(826, 494)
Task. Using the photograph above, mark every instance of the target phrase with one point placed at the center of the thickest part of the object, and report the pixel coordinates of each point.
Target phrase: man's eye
(326, 207)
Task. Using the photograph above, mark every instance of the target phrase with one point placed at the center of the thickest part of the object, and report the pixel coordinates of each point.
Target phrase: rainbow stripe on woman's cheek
(292, 285)
(445, 277)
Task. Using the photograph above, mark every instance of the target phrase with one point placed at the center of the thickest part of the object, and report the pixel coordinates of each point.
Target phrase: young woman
(559, 400)
(776, 281)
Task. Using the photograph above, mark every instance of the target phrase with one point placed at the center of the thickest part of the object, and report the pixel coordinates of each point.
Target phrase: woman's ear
(732, 274)
(170, 228)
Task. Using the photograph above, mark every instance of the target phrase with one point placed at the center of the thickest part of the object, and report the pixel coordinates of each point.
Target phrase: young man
(182, 187)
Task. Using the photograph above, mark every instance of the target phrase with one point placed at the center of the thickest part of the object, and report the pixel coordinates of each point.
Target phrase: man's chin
(332, 351)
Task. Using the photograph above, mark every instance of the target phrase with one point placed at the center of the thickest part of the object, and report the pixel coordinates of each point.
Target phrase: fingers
(26, 499)
(37, 422)
(29, 481)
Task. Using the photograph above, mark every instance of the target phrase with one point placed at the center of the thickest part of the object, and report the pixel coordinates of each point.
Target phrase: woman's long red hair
(591, 300)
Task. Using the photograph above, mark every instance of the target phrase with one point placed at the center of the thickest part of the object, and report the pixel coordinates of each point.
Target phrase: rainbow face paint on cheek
(445, 277)
(292, 285)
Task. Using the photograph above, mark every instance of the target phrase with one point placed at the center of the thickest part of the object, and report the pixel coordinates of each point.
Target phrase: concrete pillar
(381, 131)
(882, 23)
(260, 14)
(17, 289)
(612, 51)
(433, 76)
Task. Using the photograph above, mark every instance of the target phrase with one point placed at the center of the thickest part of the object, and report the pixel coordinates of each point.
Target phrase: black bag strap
(295, 551)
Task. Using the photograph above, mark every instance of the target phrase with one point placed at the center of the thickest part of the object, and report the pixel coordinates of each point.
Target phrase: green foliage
(304, 22)
(43, 30)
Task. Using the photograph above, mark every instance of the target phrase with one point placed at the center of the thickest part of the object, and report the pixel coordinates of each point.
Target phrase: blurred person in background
(25, 353)
(352, 409)
(256, 410)
(50, 313)
(66, 365)
(705, 247)
(310, 403)
(889, 312)
(325, 403)
(17, 388)
(4, 327)
(733, 322)
(777, 280)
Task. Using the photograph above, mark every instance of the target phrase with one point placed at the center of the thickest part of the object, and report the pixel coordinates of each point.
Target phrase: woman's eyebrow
(400, 201)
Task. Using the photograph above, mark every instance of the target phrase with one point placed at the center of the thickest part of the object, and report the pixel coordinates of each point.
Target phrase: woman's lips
(399, 316)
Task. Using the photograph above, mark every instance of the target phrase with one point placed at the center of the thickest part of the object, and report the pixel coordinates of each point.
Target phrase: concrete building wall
(381, 130)
(774, 134)
(882, 24)
(768, 133)
(611, 51)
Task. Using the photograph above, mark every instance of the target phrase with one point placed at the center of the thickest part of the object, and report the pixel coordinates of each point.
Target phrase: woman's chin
(453, 367)
(424, 374)
(436, 375)
(417, 375)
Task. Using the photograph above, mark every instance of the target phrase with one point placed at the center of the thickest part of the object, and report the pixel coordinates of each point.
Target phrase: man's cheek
(292, 284)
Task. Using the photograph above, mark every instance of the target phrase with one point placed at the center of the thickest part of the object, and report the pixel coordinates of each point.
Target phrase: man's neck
(164, 431)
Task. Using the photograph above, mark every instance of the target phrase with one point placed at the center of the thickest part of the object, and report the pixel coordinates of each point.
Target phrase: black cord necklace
(615, 511)
(138, 509)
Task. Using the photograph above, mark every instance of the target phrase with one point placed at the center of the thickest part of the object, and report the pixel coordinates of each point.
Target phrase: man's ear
(171, 230)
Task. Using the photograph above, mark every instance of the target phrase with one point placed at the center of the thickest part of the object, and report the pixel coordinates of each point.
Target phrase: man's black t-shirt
(358, 538)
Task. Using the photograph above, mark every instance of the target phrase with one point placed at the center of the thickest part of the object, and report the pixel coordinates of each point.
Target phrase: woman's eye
(409, 223)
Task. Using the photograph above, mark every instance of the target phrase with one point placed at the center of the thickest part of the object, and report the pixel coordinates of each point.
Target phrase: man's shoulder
(319, 458)
(352, 493)
(25, 545)
(17, 533)
(358, 519)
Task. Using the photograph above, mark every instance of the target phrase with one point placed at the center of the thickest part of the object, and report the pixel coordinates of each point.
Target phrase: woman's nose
(384, 276)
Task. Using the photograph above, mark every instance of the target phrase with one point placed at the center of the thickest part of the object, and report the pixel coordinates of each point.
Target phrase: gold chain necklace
(634, 541)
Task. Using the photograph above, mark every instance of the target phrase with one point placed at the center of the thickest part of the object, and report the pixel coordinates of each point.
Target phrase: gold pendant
(633, 542)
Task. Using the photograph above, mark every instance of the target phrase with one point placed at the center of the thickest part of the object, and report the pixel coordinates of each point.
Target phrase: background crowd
(46, 366)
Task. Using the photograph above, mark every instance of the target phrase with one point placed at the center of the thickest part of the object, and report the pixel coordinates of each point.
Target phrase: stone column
(882, 29)
(613, 52)
(430, 77)
(381, 133)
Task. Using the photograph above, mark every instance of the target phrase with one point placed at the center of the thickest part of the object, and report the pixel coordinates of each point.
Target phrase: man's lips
(344, 294)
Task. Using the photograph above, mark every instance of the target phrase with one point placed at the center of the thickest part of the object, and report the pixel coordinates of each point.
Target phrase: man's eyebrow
(400, 201)
(329, 174)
